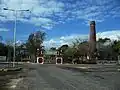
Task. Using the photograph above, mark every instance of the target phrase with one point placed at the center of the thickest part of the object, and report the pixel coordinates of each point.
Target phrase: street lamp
(14, 56)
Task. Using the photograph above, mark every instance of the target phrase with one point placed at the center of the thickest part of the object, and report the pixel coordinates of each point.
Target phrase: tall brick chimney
(92, 39)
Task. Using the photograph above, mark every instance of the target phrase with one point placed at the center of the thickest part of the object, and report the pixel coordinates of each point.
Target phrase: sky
(61, 20)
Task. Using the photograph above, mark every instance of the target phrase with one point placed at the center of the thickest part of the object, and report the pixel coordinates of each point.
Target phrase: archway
(59, 60)
(40, 60)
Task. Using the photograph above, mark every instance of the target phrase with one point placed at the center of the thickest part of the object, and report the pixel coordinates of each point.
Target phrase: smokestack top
(92, 22)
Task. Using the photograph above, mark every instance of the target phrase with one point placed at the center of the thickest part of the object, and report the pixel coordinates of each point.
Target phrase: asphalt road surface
(51, 77)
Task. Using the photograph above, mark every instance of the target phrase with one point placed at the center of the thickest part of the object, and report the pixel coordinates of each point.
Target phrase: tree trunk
(33, 58)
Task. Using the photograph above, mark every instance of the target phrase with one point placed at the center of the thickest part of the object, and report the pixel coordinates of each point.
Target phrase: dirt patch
(6, 77)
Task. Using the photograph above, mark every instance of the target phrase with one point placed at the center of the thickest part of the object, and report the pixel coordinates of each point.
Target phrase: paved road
(50, 77)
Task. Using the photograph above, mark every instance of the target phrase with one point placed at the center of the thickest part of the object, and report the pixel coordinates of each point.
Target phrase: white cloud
(113, 35)
(4, 30)
(11, 42)
(19, 42)
(56, 42)
(40, 21)
(41, 11)
(50, 43)
(44, 12)
(93, 9)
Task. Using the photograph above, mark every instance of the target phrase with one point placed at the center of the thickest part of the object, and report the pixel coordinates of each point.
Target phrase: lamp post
(15, 25)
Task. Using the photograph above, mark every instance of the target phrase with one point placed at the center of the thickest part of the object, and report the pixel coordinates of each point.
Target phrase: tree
(69, 54)
(35, 41)
(103, 40)
(53, 48)
(63, 48)
(21, 52)
(81, 48)
(78, 49)
(108, 50)
(3, 49)
(9, 45)
(116, 47)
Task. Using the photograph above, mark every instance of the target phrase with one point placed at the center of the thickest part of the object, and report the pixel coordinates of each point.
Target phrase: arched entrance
(40, 60)
(59, 60)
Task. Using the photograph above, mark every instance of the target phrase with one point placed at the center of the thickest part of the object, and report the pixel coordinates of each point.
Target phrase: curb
(88, 70)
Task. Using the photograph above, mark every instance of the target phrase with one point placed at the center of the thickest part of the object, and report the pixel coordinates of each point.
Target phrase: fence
(107, 62)
(2, 58)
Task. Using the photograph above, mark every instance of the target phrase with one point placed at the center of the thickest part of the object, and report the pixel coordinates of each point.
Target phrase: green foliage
(81, 48)
(9, 45)
(76, 50)
(35, 41)
(116, 46)
(53, 49)
(105, 49)
(21, 52)
(63, 48)
(109, 51)
(103, 40)
(69, 52)
(3, 50)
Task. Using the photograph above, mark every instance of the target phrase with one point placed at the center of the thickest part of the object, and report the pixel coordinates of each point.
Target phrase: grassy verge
(7, 74)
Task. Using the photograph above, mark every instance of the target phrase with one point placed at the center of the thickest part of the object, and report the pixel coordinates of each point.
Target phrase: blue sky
(62, 20)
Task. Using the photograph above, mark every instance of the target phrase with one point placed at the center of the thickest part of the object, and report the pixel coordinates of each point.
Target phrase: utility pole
(15, 27)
